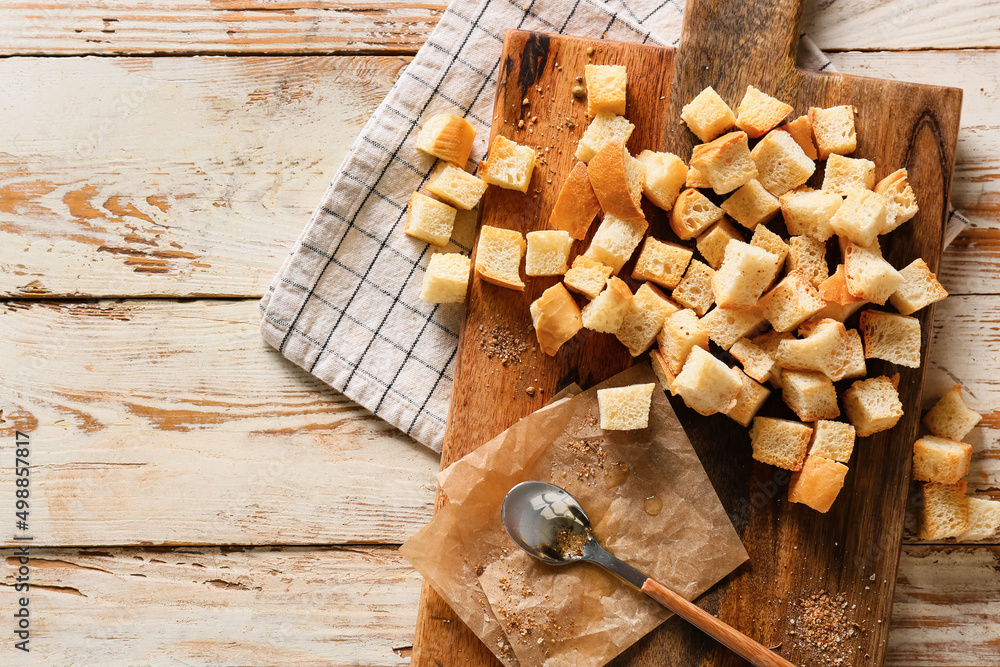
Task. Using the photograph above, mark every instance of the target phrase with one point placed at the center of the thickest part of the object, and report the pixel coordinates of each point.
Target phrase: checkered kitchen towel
(345, 304)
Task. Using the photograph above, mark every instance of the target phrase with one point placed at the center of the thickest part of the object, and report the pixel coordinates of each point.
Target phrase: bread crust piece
(577, 205)
(617, 179)
(899, 198)
(818, 484)
(693, 213)
(801, 131)
(498, 257)
(556, 318)
(447, 137)
(509, 165)
(835, 289)
(725, 162)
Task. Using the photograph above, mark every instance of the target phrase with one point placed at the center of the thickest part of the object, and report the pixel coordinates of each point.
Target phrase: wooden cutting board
(847, 557)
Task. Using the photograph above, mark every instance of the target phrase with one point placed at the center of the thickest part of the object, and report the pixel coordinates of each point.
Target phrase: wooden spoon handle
(726, 635)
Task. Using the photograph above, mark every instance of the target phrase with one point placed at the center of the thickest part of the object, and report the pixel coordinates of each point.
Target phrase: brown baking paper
(651, 504)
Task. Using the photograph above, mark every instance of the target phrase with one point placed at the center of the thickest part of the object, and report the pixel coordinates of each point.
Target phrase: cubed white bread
(833, 130)
(751, 205)
(808, 256)
(861, 217)
(940, 459)
(808, 213)
(713, 241)
(556, 318)
(919, 289)
(984, 520)
(756, 362)
(448, 137)
(429, 220)
(768, 344)
(844, 174)
(835, 289)
(446, 279)
(662, 263)
(899, 198)
(707, 115)
(951, 417)
(781, 163)
(856, 367)
(809, 394)
(832, 440)
(745, 273)
(827, 349)
(749, 400)
(455, 186)
(834, 311)
(801, 131)
(694, 291)
(577, 205)
(617, 179)
(587, 276)
(625, 408)
(665, 176)
(498, 256)
(706, 384)
(606, 312)
(873, 405)
(726, 326)
(615, 241)
(604, 128)
(758, 112)
(791, 302)
(693, 213)
(725, 162)
(818, 484)
(508, 165)
(844, 243)
(868, 275)
(945, 512)
(682, 331)
(767, 240)
(893, 338)
(661, 370)
(605, 88)
(780, 442)
(696, 179)
(644, 318)
(548, 252)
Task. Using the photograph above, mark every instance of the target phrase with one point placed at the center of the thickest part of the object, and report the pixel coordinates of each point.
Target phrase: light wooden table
(195, 498)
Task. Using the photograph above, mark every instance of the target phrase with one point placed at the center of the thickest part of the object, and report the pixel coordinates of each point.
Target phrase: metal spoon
(549, 524)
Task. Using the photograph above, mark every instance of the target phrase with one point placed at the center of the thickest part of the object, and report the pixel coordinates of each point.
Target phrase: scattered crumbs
(579, 79)
(524, 102)
(520, 123)
(530, 391)
(590, 50)
(579, 91)
(570, 124)
(479, 570)
(500, 343)
(823, 628)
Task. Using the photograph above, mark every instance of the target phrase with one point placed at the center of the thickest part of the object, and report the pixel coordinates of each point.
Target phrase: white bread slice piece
(556, 318)
(873, 405)
(951, 417)
(617, 179)
(692, 214)
(808, 256)
(498, 257)
(758, 112)
(615, 241)
(455, 186)
(725, 162)
(447, 137)
(818, 484)
(832, 440)
(984, 520)
(809, 394)
(940, 459)
(604, 128)
(899, 197)
(844, 174)
(726, 326)
(856, 367)
(548, 252)
(756, 362)
(835, 289)
(665, 176)
(509, 165)
(894, 338)
(801, 131)
(706, 384)
(446, 279)
(694, 291)
(780, 442)
(605, 88)
(429, 220)
(868, 275)
(768, 344)
(781, 163)
(625, 408)
(707, 115)
(919, 289)
(861, 217)
(945, 512)
(696, 179)
(661, 370)
(587, 276)
(827, 349)
(577, 205)
(751, 397)
(808, 212)
(833, 130)
(745, 273)
(681, 332)
(606, 312)
(662, 263)
(766, 239)
(644, 318)
(791, 302)
(751, 205)
(713, 241)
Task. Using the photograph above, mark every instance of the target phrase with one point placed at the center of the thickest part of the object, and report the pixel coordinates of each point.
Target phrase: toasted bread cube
(791, 302)
(856, 367)
(940, 459)
(945, 512)
(818, 484)
(605, 88)
(919, 289)
(808, 213)
(508, 165)
(693, 213)
(808, 256)
(725, 162)
(696, 179)
(429, 220)
(661, 263)
(745, 273)
(707, 115)
(834, 311)
(826, 349)
(577, 205)
(780, 442)
(844, 174)
(606, 312)
(752, 395)
(899, 198)
(726, 326)
(832, 440)
(706, 384)
(713, 241)
(661, 370)
(644, 318)
(756, 362)
(587, 276)
(801, 131)
(556, 318)
(868, 275)
(810, 394)
(665, 176)
(768, 344)
(625, 408)
(861, 217)
(767, 240)
(759, 112)
(448, 137)
(617, 179)
(894, 338)
(833, 130)
(695, 290)
(498, 257)
(751, 205)
(844, 243)
(873, 405)
(781, 163)
(951, 417)
(984, 520)
(605, 127)
(446, 279)
(548, 252)
(455, 186)
(835, 289)
(615, 241)
(682, 331)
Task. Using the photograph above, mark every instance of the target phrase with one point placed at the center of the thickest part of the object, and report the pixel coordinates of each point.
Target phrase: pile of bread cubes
(771, 303)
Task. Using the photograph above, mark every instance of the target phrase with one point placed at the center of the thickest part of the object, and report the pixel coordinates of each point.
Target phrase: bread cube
(801, 131)
(835, 289)
(665, 176)
(781, 163)
(759, 112)
(706, 384)
(756, 362)
(834, 311)
(765, 239)
(455, 186)
(695, 289)
(725, 162)
(810, 394)
(856, 367)
(808, 256)
(682, 331)
(868, 275)
(940, 459)
(826, 349)
(791, 302)
(707, 115)
(587, 276)
(808, 213)
(644, 318)
(950, 417)
(832, 440)
(429, 220)
(696, 179)
(662, 263)
(844, 243)
(615, 241)
(749, 400)
(894, 338)
(605, 127)
(984, 520)
(713, 241)
(617, 179)
(768, 344)
(577, 205)
(498, 257)
(446, 279)
(833, 130)
(726, 326)
(745, 273)
(548, 253)
(606, 312)
(693, 212)
(919, 289)
(448, 137)
(556, 318)
(605, 88)
(751, 205)
(818, 484)
(945, 512)
(625, 408)
(861, 217)
(899, 198)
(873, 405)
(780, 442)
(844, 174)
(508, 165)
(661, 370)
